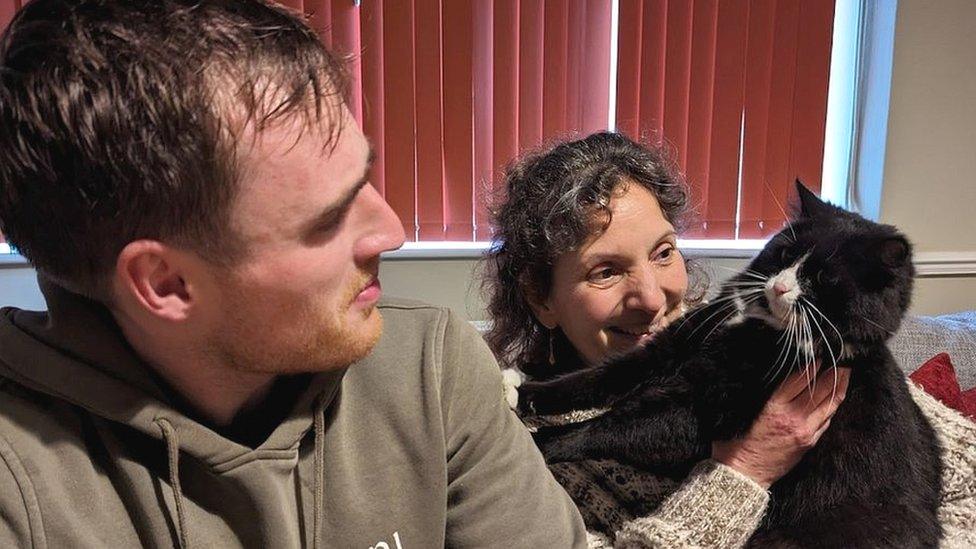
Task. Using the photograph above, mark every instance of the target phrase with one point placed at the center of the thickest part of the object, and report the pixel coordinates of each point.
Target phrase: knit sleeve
(715, 507)
(957, 436)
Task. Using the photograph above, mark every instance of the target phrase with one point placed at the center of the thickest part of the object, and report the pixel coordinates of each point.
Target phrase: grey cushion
(922, 337)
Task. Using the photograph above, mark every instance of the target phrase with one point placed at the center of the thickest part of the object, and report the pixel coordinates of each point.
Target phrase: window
(450, 91)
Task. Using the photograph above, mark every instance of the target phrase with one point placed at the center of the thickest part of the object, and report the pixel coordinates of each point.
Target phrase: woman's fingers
(828, 398)
(821, 431)
(791, 423)
(792, 387)
(830, 382)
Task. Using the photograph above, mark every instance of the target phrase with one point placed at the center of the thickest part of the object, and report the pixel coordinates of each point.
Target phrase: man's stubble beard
(322, 341)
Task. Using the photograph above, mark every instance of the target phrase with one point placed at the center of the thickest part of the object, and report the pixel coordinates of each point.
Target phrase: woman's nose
(646, 294)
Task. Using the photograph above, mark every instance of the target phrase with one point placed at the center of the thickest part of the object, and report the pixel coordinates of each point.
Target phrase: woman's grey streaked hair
(556, 198)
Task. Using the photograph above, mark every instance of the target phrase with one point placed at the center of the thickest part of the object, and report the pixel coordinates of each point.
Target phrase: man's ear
(152, 275)
(540, 308)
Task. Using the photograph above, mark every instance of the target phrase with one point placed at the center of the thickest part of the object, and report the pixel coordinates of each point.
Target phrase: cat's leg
(856, 527)
(665, 442)
(563, 394)
(594, 387)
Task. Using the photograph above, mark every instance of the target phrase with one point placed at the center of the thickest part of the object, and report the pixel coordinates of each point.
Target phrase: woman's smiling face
(622, 285)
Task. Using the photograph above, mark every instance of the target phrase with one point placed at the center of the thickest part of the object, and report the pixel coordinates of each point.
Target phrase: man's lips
(371, 292)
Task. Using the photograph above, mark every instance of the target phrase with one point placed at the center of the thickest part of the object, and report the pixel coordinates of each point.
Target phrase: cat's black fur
(873, 479)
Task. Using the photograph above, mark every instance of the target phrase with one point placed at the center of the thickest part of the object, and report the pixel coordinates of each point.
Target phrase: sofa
(922, 337)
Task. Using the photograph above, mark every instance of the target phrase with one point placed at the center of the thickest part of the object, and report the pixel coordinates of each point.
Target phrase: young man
(211, 371)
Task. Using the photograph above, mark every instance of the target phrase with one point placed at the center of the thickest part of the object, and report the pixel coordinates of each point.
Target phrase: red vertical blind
(450, 91)
(737, 91)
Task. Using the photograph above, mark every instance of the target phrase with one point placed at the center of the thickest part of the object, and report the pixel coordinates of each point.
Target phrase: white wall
(929, 188)
(18, 287)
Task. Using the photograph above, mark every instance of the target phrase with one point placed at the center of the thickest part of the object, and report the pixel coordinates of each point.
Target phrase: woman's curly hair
(553, 198)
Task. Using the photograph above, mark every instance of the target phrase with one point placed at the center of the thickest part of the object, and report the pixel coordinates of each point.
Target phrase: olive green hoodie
(412, 447)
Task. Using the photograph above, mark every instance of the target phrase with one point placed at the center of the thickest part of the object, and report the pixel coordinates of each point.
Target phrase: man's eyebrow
(333, 213)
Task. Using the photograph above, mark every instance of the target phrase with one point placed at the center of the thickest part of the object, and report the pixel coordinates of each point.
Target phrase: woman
(586, 265)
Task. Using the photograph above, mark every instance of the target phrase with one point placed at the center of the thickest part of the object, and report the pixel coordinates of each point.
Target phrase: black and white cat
(832, 286)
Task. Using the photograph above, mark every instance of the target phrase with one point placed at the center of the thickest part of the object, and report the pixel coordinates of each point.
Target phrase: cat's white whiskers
(727, 317)
(835, 358)
(797, 351)
(717, 310)
(784, 351)
(753, 274)
(729, 300)
(828, 321)
(737, 283)
(810, 355)
(805, 355)
(720, 310)
(789, 223)
(830, 351)
(875, 323)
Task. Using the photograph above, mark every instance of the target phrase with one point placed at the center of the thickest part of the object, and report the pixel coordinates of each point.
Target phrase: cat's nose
(780, 288)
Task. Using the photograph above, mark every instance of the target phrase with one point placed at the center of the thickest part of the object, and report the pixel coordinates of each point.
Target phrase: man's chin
(328, 350)
(355, 344)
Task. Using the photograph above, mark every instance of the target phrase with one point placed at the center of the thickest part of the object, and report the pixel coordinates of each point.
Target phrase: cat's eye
(786, 255)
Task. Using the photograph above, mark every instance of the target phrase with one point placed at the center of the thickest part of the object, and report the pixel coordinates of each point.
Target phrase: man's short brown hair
(119, 121)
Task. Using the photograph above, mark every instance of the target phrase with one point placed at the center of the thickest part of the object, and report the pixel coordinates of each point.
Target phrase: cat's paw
(528, 397)
(511, 380)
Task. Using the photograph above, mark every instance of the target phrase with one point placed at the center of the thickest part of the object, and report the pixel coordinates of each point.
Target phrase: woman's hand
(790, 424)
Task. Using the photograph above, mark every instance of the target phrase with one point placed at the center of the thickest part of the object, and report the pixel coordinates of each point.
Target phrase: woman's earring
(552, 355)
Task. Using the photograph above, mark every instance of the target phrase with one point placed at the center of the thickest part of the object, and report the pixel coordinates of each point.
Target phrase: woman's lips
(638, 336)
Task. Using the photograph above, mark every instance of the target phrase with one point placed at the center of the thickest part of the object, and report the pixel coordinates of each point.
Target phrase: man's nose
(384, 231)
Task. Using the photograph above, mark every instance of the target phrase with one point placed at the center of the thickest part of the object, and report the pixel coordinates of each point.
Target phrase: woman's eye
(666, 254)
(603, 275)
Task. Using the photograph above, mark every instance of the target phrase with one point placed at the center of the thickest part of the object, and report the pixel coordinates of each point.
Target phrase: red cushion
(938, 378)
(967, 403)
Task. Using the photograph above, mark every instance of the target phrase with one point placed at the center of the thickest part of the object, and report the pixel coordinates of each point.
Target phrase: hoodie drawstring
(319, 448)
(173, 452)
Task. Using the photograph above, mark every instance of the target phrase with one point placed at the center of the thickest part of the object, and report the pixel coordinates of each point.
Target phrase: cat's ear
(810, 204)
(894, 252)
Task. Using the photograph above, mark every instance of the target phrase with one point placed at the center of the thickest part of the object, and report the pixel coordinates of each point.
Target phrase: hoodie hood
(76, 352)
(407, 451)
